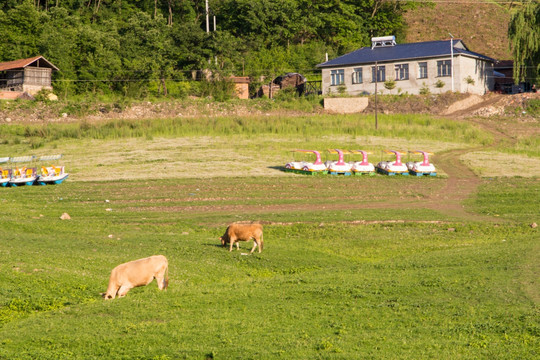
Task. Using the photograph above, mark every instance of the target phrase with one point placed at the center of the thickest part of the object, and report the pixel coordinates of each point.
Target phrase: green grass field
(347, 271)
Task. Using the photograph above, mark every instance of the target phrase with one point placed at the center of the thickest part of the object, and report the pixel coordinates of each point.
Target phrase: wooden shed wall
(37, 76)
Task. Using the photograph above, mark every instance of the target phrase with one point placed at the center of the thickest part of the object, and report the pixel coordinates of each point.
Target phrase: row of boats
(363, 167)
(29, 175)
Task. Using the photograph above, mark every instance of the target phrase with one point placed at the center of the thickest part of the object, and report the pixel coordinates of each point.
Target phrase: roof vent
(383, 41)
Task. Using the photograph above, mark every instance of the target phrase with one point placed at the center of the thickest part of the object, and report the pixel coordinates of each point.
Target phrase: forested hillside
(141, 47)
(137, 46)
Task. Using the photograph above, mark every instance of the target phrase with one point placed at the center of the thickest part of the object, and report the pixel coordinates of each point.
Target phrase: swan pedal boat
(339, 167)
(420, 168)
(393, 167)
(362, 167)
(306, 167)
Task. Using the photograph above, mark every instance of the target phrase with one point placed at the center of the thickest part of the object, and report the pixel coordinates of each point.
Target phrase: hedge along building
(25, 76)
(434, 66)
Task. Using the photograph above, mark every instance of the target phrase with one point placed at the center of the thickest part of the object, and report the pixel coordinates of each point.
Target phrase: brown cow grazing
(242, 232)
(135, 273)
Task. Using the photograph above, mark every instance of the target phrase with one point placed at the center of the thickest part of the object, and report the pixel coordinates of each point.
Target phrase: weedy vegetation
(352, 267)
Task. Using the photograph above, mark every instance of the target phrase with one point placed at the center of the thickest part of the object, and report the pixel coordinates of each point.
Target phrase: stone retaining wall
(345, 105)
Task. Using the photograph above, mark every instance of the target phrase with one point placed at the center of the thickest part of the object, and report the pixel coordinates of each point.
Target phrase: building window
(337, 77)
(422, 70)
(444, 68)
(381, 74)
(357, 76)
(402, 71)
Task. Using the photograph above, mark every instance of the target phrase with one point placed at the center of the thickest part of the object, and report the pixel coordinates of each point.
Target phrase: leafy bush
(424, 90)
(390, 84)
(439, 84)
(533, 107)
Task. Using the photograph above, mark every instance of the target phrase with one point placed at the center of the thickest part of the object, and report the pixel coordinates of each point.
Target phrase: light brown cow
(243, 232)
(135, 273)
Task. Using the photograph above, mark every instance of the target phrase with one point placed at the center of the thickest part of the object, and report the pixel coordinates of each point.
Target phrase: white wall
(480, 71)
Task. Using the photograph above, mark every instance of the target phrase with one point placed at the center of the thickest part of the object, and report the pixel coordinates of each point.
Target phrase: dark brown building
(25, 76)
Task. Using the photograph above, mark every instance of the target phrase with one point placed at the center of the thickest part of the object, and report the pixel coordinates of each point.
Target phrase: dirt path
(469, 105)
(462, 182)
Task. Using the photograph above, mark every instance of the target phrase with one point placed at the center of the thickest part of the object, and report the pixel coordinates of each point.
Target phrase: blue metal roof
(413, 51)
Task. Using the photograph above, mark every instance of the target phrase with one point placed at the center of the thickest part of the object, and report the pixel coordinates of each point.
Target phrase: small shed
(288, 80)
(25, 76)
(241, 86)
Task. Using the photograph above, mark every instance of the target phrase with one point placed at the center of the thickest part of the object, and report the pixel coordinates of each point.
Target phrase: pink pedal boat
(393, 167)
(420, 168)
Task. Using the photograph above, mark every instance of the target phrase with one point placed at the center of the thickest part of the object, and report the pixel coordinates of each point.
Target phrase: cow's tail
(262, 241)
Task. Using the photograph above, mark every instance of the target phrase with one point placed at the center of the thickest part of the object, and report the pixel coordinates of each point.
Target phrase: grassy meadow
(352, 267)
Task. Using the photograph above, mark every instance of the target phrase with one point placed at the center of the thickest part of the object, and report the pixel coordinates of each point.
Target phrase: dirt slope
(481, 25)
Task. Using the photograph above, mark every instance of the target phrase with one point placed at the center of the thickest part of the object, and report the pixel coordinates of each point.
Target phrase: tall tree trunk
(170, 22)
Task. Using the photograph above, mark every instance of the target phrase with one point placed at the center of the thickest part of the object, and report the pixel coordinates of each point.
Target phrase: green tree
(439, 84)
(524, 35)
(20, 28)
(390, 85)
(470, 81)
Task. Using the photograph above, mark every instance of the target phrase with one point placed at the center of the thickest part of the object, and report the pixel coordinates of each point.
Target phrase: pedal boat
(393, 167)
(23, 176)
(52, 175)
(305, 167)
(424, 167)
(339, 167)
(362, 167)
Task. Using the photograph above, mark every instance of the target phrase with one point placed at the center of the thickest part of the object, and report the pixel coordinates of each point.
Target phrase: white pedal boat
(52, 175)
(23, 176)
(421, 167)
(305, 166)
(339, 166)
(362, 167)
(393, 167)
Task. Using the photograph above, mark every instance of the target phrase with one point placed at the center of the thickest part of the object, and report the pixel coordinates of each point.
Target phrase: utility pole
(376, 78)
(452, 58)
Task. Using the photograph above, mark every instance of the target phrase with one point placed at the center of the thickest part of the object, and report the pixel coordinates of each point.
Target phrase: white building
(435, 66)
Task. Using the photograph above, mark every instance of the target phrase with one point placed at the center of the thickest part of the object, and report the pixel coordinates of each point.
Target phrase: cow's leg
(238, 245)
(231, 244)
(254, 246)
(123, 290)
